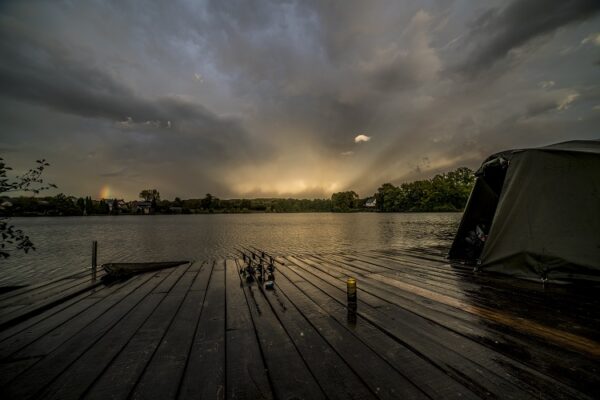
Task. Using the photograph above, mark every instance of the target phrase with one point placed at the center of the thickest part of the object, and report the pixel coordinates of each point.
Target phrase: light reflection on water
(64, 244)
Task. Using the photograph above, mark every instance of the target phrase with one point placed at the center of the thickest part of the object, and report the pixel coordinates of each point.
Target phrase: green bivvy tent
(535, 213)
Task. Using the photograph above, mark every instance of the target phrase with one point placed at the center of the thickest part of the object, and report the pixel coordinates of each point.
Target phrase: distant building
(141, 207)
(120, 203)
(371, 203)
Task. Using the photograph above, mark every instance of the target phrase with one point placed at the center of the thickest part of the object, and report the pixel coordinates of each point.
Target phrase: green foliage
(344, 201)
(150, 195)
(114, 207)
(444, 192)
(102, 208)
(209, 202)
(31, 181)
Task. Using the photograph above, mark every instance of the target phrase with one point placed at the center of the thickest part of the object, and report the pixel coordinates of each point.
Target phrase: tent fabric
(547, 220)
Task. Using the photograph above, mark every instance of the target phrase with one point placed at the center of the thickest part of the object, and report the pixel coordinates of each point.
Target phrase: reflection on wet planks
(418, 329)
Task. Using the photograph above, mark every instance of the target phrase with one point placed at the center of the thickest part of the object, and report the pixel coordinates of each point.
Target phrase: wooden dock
(422, 329)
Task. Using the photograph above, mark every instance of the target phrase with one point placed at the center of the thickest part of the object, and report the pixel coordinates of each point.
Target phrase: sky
(288, 98)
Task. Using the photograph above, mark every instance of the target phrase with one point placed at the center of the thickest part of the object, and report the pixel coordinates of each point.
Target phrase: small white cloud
(593, 38)
(565, 103)
(169, 124)
(347, 153)
(546, 84)
(126, 123)
(199, 77)
(361, 138)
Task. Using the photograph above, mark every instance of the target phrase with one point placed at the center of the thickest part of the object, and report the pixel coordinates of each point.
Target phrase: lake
(63, 244)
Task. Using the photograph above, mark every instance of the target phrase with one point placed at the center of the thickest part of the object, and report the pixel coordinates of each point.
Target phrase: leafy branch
(30, 181)
(11, 238)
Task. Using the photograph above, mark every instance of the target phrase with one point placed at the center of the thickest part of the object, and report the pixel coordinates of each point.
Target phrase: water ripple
(64, 244)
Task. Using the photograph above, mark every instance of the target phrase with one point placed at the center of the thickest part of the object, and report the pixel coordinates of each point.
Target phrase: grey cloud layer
(500, 30)
(40, 70)
(266, 97)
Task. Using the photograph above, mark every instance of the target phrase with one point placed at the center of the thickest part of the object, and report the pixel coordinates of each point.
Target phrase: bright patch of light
(566, 102)
(105, 192)
(361, 138)
(593, 38)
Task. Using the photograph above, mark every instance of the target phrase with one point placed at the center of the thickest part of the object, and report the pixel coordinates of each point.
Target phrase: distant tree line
(443, 192)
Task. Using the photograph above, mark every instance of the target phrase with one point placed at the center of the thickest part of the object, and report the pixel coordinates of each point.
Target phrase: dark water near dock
(64, 243)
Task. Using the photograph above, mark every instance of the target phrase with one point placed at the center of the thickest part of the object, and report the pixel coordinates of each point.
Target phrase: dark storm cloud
(326, 68)
(538, 108)
(265, 98)
(500, 30)
(38, 69)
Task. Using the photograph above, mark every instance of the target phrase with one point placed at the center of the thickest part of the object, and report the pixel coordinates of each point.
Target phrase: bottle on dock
(351, 291)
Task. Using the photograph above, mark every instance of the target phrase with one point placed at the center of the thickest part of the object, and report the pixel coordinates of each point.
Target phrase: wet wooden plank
(383, 377)
(564, 366)
(163, 374)
(463, 359)
(10, 369)
(35, 328)
(247, 376)
(290, 376)
(42, 285)
(563, 294)
(39, 294)
(75, 380)
(125, 353)
(556, 306)
(47, 343)
(195, 331)
(335, 377)
(46, 335)
(29, 322)
(35, 379)
(204, 376)
(38, 304)
(499, 308)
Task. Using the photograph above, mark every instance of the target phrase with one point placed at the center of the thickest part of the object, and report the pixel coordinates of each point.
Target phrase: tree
(31, 181)
(62, 205)
(209, 202)
(443, 192)
(88, 205)
(344, 201)
(81, 204)
(103, 207)
(150, 195)
(115, 207)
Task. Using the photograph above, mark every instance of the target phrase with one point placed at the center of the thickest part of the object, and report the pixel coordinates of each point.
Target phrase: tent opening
(480, 210)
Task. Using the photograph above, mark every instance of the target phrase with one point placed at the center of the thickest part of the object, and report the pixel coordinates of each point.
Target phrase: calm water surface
(64, 243)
